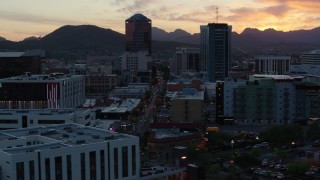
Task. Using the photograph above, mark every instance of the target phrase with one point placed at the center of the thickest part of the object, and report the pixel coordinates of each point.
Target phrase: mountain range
(93, 38)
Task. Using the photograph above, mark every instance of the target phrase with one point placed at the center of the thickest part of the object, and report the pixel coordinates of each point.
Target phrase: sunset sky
(24, 18)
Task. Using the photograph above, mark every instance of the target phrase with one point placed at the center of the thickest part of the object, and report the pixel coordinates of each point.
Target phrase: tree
(246, 160)
(214, 169)
(298, 168)
(165, 71)
(281, 154)
(284, 134)
(313, 131)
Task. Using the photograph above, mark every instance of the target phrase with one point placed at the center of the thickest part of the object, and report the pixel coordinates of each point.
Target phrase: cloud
(191, 17)
(136, 6)
(243, 11)
(278, 11)
(308, 6)
(33, 18)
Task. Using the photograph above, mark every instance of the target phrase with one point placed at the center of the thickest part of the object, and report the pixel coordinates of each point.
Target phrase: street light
(232, 142)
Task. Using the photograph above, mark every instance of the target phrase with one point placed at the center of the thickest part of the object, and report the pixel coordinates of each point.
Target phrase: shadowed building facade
(215, 48)
(138, 33)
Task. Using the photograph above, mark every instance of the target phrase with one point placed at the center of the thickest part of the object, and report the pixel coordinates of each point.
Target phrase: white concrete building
(310, 64)
(78, 69)
(312, 57)
(136, 61)
(68, 151)
(18, 118)
(275, 65)
(55, 91)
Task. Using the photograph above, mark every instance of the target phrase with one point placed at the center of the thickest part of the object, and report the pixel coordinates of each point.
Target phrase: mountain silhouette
(2, 39)
(90, 38)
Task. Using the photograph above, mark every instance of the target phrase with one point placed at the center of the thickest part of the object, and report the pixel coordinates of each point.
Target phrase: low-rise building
(187, 106)
(127, 92)
(119, 110)
(68, 151)
(164, 137)
(276, 65)
(55, 91)
(101, 83)
(23, 118)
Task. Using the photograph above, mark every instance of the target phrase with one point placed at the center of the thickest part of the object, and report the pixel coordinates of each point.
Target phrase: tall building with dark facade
(216, 42)
(138, 33)
(16, 63)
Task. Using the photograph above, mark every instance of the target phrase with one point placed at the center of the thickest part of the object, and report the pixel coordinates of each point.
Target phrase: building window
(47, 167)
(31, 170)
(83, 166)
(125, 161)
(51, 121)
(134, 159)
(20, 170)
(93, 169)
(102, 165)
(58, 167)
(115, 161)
(69, 168)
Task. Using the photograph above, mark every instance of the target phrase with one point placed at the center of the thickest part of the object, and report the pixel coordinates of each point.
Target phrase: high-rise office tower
(215, 50)
(203, 47)
(138, 33)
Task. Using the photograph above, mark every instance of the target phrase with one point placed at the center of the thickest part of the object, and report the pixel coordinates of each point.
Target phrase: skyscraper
(216, 50)
(138, 33)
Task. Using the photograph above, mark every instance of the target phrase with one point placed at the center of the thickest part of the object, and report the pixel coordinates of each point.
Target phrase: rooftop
(128, 90)
(277, 77)
(316, 51)
(272, 57)
(138, 16)
(59, 136)
(37, 77)
(40, 53)
(126, 106)
(11, 54)
(186, 94)
(41, 111)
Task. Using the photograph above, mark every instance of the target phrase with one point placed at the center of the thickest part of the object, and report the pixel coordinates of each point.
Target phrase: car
(316, 143)
(257, 146)
(281, 176)
(265, 162)
(310, 173)
(277, 166)
(264, 144)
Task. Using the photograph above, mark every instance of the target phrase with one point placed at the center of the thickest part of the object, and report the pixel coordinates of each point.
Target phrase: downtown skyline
(22, 19)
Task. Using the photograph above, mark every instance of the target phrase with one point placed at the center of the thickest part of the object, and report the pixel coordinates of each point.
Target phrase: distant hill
(273, 36)
(84, 38)
(249, 37)
(90, 39)
(32, 38)
(178, 35)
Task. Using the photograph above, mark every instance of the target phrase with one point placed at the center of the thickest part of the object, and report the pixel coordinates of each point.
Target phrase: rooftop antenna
(217, 14)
